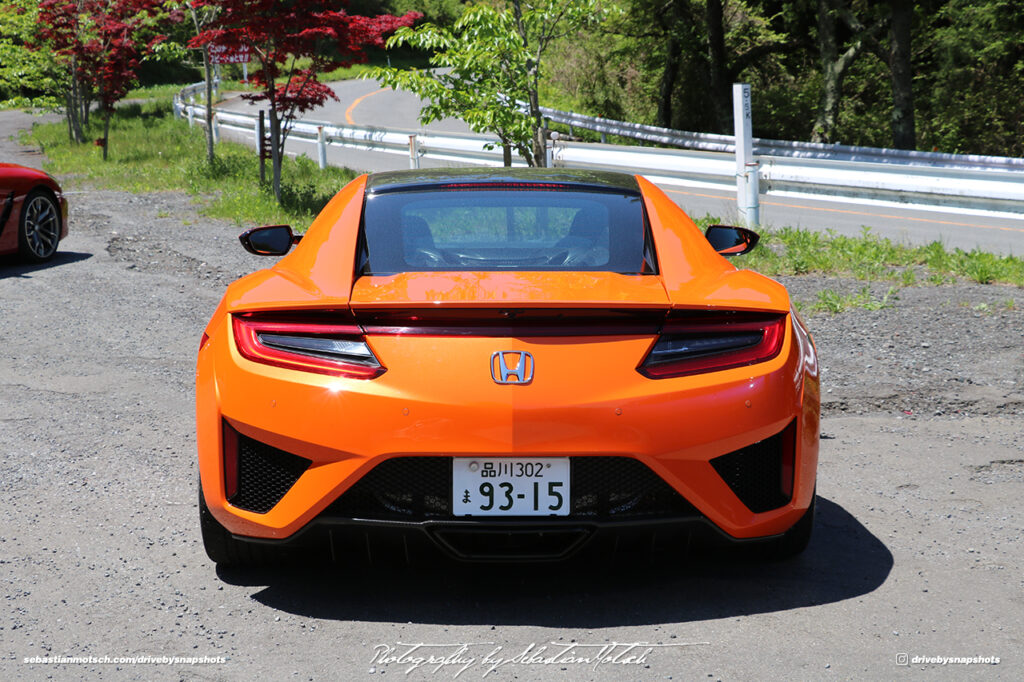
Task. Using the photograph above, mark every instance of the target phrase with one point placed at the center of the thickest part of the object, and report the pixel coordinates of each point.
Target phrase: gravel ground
(916, 549)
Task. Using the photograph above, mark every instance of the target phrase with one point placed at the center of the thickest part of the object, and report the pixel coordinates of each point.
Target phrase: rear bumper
(346, 428)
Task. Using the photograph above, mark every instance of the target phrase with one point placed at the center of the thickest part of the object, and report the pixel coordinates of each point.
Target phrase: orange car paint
(428, 404)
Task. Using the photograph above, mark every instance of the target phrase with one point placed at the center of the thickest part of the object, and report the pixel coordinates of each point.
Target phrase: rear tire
(38, 227)
(222, 548)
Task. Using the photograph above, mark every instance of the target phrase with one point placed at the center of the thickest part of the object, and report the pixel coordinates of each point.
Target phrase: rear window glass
(504, 229)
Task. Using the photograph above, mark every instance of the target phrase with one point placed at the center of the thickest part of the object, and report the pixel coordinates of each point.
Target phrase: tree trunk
(506, 155)
(67, 117)
(74, 107)
(85, 97)
(106, 131)
(718, 73)
(209, 84)
(209, 103)
(673, 59)
(70, 114)
(539, 150)
(537, 156)
(668, 81)
(834, 64)
(902, 75)
(832, 81)
(276, 151)
(828, 111)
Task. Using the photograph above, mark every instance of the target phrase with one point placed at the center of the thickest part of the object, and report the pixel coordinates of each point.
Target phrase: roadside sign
(221, 54)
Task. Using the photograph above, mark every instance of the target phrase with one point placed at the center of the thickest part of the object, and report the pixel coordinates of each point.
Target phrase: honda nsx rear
(506, 365)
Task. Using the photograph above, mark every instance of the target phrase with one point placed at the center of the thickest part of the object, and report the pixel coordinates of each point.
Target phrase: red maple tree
(280, 33)
(101, 43)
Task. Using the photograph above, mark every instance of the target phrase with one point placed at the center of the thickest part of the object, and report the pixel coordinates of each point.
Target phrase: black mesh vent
(419, 488)
(755, 474)
(400, 488)
(617, 487)
(265, 474)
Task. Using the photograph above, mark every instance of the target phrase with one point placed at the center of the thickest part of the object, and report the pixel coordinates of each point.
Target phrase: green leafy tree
(491, 58)
(28, 78)
(970, 71)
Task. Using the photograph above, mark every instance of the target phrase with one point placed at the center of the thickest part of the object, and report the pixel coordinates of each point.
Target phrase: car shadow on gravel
(12, 266)
(844, 560)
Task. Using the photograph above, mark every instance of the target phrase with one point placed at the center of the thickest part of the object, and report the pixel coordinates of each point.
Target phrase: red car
(33, 213)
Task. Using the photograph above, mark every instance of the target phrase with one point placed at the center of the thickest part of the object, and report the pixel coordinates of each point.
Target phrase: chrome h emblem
(520, 373)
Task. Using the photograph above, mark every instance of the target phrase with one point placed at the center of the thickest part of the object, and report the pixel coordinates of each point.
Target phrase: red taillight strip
(773, 334)
(247, 328)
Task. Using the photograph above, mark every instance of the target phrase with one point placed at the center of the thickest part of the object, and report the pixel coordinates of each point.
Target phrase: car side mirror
(731, 241)
(269, 240)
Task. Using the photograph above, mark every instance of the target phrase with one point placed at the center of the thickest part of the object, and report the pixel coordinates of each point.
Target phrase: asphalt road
(916, 548)
(364, 102)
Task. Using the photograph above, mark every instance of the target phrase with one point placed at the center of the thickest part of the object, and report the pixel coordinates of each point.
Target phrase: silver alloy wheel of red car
(40, 227)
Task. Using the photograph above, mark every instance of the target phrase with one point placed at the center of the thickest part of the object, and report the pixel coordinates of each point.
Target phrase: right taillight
(698, 343)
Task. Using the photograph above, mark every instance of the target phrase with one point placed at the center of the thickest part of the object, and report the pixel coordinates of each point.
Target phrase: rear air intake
(761, 475)
(257, 475)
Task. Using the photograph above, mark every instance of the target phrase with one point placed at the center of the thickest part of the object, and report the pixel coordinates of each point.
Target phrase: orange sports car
(506, 365)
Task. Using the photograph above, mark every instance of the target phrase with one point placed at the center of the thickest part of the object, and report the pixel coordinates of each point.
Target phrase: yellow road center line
(860, 213)
(352, 107)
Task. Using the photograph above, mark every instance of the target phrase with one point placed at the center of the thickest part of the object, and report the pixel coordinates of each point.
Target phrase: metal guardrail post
(747, 180)
(549, 150)
(215, 124)
(414, 152)
(257, 129)
(191, 115)
(321, 147)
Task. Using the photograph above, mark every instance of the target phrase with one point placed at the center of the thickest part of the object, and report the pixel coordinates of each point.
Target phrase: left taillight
(698, 343)
(315, 343)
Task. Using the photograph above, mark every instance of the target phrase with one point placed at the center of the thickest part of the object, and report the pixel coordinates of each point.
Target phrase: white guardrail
(801, 168)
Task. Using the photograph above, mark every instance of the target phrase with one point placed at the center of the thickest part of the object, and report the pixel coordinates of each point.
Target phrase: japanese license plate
(510, 486)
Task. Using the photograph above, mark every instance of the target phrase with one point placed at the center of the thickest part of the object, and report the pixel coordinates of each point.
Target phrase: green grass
(870, 257)
(833, 302)
(152, 151)
(165, 91)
